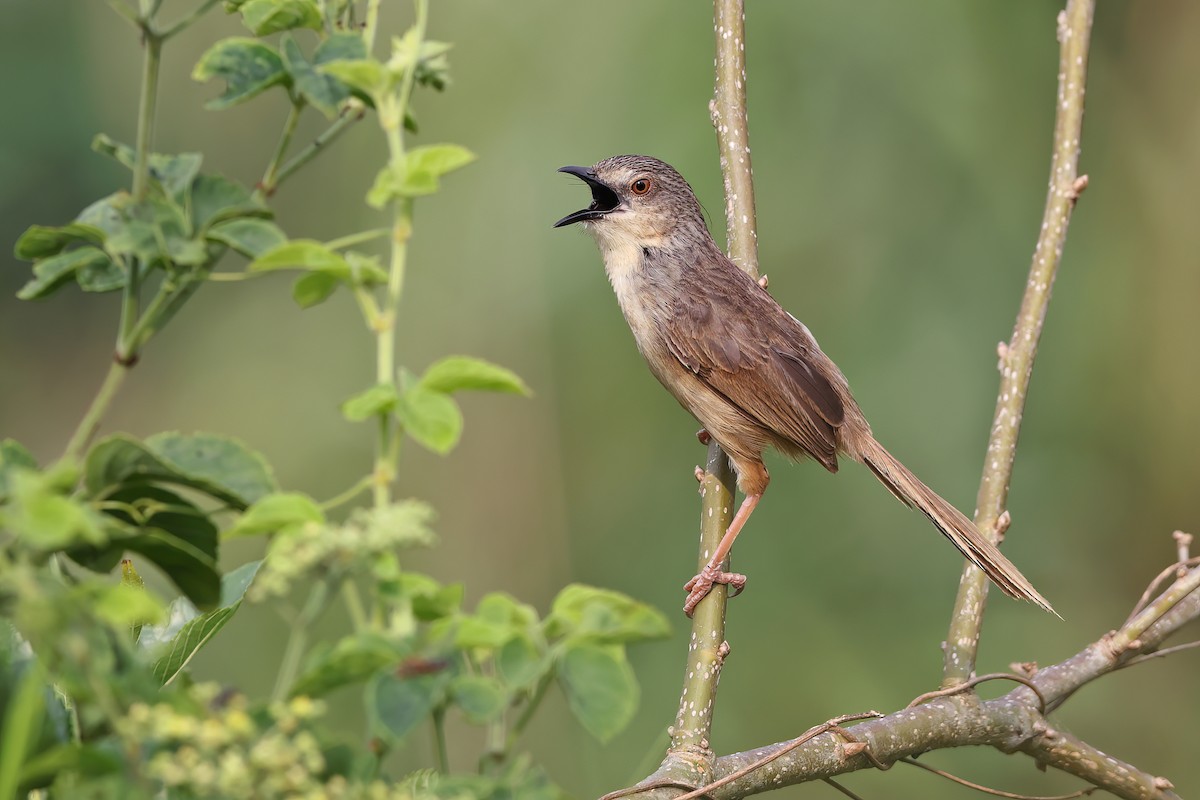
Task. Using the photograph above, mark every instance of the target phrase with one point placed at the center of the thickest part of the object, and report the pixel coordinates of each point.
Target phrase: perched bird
(750, 372)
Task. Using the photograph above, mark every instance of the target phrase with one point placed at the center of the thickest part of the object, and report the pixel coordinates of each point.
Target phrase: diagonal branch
(1011, 723)
(1017, 356)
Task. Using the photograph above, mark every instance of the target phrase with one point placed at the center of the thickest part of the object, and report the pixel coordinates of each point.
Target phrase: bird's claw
(699, 586)
(704, 436)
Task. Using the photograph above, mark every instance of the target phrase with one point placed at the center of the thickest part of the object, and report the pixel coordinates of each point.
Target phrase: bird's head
(636, 200)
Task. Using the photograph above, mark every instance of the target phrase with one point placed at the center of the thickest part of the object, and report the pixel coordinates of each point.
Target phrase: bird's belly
(739, 435)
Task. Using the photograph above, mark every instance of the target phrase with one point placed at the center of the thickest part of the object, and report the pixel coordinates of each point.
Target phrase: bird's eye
(640, 186)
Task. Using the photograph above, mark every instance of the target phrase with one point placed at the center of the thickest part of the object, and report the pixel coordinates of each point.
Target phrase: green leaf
(277, 512)
(54, 272)
(314, 288)
(504, 608)
(323, 92)
(603, 616)
(249, 67)
(342, 45)
(353, 659)
(221, 467)
(101, 276)
(432, 418)
(433, 68)
(377, 400)
(303, 254)
(430, 600)
(249, 236)
(228, 468)
(601, 689)
(217, 199)
(519, 662)
(458, 373)
(155, 230)
(264, 17)
(105, 214)
(173, 533)
(477, 632)
(13, 456)
(39, 241)
(480, 698)
(121, 606)
(365, 75)
(365, 270)
(174, 173)
(82, 760)
(417, 174)
(187, 631)
(438, 159)
(397, 704)
(44, 517)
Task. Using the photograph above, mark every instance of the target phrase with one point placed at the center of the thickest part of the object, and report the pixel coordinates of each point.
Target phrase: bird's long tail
(953, 524)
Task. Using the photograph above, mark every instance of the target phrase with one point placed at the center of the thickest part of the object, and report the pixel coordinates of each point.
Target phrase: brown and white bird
(749, 371)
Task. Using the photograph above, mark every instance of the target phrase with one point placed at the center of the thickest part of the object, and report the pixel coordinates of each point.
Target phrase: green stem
(527, 713)
(351, 239)
(145, 326)
(146, 106)
(297, 640)
(354, 606)
(349, 116)
(100, 403)
(186, 22)
(345, 497)
(371, 25)
(270, 180)
(131, 303)
(385, 328)
(439, 740)
(126, 349)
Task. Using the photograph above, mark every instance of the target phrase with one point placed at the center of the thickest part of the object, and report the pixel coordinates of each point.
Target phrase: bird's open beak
(604, 199)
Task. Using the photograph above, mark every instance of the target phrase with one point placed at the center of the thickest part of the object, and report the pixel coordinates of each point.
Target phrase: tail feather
(952, 523)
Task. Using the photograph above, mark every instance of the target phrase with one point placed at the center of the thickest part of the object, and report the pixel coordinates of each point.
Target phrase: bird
(749, 371)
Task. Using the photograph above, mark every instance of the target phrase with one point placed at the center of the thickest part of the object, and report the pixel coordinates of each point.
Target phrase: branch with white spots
(689, 758)
(1017, 355)
(1017, 722)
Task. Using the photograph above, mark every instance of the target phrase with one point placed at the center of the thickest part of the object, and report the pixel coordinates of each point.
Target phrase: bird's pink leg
(699, 586)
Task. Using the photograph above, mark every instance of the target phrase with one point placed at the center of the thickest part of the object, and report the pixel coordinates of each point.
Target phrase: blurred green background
(901, 154)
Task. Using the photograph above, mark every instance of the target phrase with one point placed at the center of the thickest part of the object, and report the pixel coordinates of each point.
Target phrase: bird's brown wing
(738, 340)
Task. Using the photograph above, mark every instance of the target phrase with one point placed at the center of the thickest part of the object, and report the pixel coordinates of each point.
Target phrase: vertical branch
(707, 650)
(728, 108)
(392, 109)
(1016, 357)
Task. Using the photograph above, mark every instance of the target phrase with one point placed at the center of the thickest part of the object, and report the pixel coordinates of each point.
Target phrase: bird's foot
(703, 436)
(699, 586)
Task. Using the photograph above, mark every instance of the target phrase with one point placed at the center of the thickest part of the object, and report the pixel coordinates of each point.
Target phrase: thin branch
(1017, 357)
(1072, 755)
(270, 179)
(996, 792)
(728, 110)
(99, 406)
(1161, 653)
(1153, 585)
(971, 684)
(842, 789)
(351, 114)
